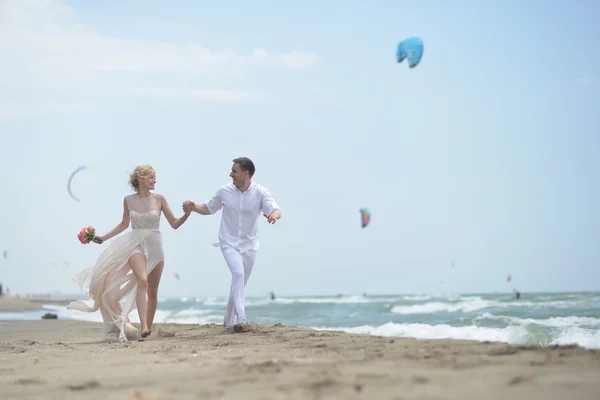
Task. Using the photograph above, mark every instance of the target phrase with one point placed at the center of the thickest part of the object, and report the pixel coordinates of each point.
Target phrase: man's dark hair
(245, 164)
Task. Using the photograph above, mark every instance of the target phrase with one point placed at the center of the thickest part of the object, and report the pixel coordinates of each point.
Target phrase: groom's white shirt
(241, 211)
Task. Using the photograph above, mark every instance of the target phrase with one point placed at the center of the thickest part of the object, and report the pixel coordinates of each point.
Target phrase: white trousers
(240, 265)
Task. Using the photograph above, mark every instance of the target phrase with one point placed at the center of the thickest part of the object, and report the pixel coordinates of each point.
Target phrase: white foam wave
(557, 322)
(470, 304)
(64, 313)
(577, 335)
(190, 312)
(416, 298)
(441, 331)
(213, 301)
(223, 302)
(514, 334)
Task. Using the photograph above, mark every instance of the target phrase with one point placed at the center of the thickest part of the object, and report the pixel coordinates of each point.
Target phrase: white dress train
(111, 283)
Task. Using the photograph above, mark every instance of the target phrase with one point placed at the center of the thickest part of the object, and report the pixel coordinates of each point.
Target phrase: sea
(535, 318)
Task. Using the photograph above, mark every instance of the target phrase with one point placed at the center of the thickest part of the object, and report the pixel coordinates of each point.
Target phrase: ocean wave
(477, 304)
(257, 302)
(473, 304)
(514, 334)
(557, 322)
(474, 318)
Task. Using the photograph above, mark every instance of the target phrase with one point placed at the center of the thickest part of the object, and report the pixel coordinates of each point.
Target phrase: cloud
(44, 46)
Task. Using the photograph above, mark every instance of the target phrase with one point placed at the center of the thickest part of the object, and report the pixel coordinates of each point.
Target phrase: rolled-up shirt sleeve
(268, 203)
(215, 203)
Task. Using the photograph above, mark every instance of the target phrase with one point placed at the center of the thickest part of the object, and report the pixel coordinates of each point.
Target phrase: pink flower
(86, 234)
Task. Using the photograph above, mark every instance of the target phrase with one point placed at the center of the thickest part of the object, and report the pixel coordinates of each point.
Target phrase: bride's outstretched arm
(121, 227)
(174, 222)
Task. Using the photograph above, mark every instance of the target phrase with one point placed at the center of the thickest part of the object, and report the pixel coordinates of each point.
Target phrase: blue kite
(410, 49)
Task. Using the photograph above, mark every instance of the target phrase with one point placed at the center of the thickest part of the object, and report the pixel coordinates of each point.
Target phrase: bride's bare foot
(145, 332)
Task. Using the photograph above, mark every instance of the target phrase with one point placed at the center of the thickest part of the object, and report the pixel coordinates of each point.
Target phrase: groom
(242, 202)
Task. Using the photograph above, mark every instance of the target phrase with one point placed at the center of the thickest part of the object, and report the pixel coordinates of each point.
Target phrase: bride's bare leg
(138, 266)
(153, 282)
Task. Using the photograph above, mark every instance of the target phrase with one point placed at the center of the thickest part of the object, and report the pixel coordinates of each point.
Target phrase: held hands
(273, 217)
(188, 206)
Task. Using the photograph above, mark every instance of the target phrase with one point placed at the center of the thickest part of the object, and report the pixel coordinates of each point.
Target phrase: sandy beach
(58, 359)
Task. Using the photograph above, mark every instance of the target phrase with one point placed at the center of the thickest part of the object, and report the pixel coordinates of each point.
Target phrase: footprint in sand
(85, 385)
(29, 381)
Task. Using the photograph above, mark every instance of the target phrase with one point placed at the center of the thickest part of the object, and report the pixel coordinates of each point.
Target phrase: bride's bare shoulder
(160, 197)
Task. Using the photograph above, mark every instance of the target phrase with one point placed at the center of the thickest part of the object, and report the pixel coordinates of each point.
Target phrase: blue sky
(485, 154)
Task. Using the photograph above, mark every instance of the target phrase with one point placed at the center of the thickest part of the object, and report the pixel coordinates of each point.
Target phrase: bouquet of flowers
(88, 234)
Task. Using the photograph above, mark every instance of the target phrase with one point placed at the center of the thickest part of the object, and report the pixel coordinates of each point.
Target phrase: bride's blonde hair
(141, 171)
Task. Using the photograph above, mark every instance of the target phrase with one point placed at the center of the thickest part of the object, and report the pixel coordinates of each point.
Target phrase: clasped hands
(188, 206)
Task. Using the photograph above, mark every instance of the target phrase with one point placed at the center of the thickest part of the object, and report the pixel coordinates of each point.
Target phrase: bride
(131, 266)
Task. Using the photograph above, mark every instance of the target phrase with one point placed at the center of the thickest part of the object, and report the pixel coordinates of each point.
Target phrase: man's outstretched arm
(208, 208)
(189, 206)
(201, 209)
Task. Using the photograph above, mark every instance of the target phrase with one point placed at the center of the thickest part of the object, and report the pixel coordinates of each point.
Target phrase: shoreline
(73, 359)
(33, 303)
(33, 308)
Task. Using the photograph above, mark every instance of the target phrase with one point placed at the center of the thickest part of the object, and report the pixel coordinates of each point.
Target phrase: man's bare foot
(239, 328)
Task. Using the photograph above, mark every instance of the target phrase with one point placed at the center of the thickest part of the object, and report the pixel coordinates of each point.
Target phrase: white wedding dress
(111, 283)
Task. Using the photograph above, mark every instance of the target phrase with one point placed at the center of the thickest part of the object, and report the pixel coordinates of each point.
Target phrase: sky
(485, 154)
